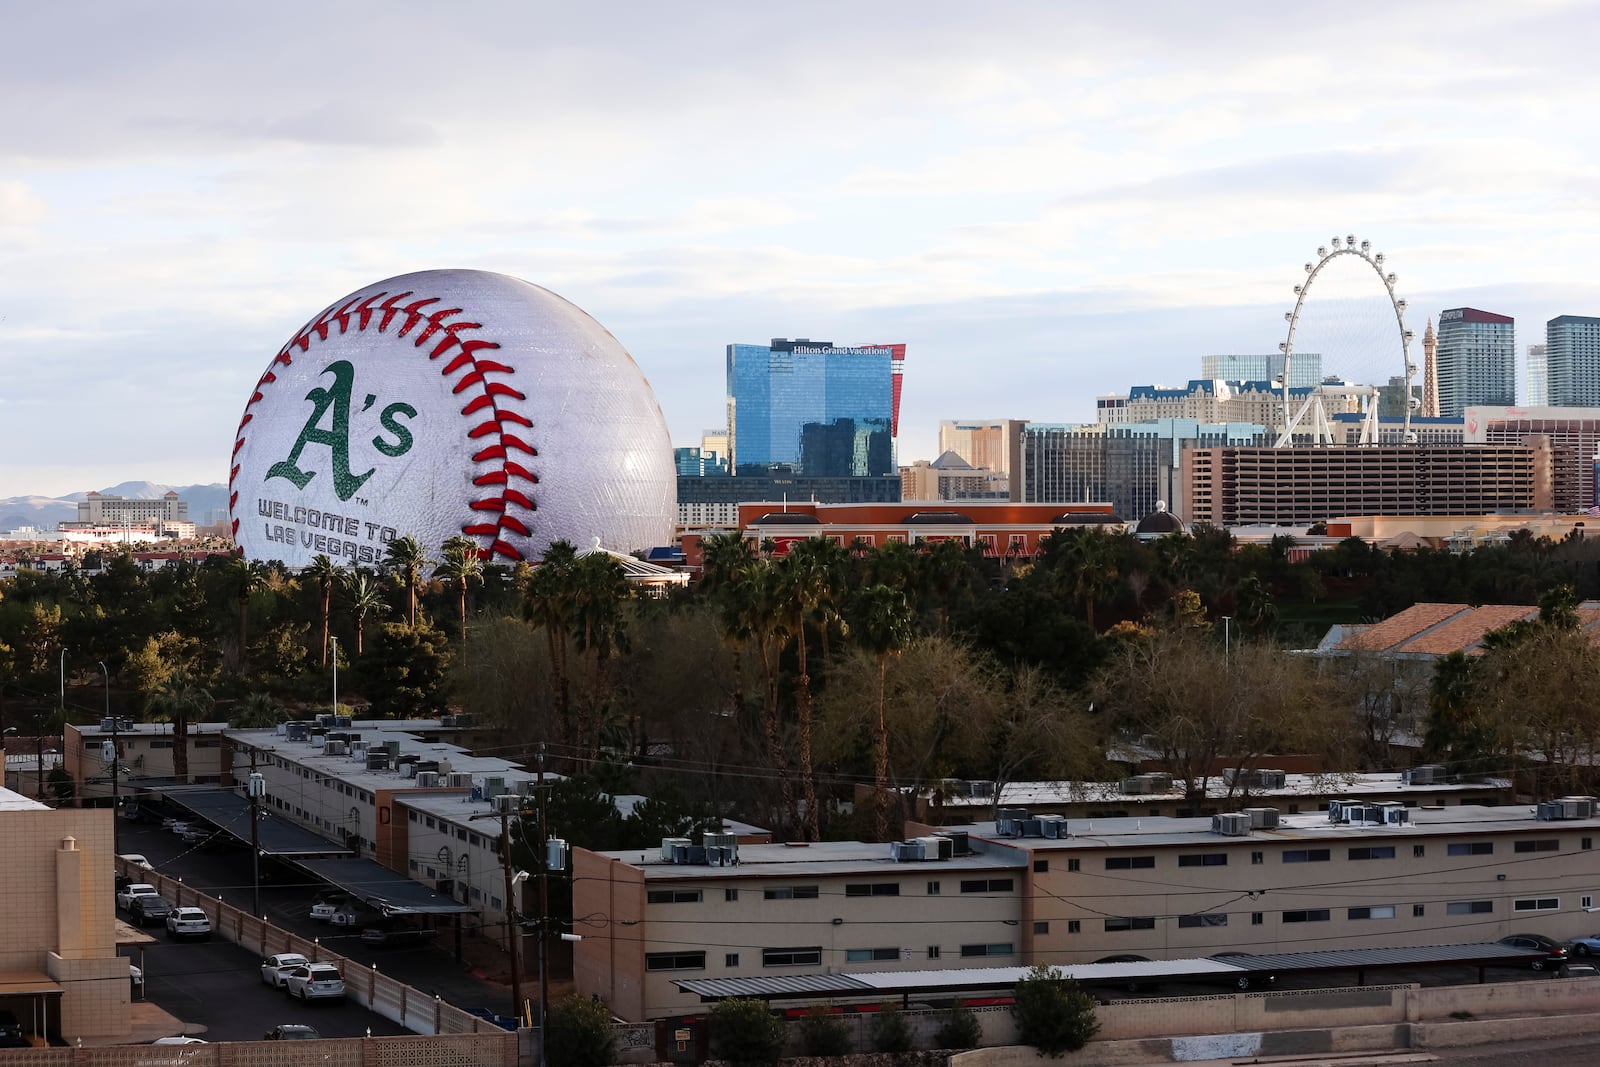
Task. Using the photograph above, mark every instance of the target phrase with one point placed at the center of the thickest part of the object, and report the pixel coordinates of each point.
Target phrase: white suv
(275, 969)
(189, 922)
(315, 981)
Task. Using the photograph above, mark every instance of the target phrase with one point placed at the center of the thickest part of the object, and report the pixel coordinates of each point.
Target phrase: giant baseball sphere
(450, 403)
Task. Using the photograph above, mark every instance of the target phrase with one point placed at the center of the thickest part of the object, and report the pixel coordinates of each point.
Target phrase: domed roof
(1160, 522)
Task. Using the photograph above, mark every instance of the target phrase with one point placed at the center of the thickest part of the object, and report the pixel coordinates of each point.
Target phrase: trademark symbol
(362, 501)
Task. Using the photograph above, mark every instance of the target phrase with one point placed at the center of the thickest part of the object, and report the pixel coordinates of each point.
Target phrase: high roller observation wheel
(1369, 433)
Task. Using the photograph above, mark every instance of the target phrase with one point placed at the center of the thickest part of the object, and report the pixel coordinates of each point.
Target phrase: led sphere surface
(450, 403)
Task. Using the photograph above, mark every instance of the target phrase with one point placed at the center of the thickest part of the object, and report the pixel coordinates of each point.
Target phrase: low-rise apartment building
(783, 910)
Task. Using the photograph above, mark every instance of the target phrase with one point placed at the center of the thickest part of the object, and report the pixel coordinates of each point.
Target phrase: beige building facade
(59, 969)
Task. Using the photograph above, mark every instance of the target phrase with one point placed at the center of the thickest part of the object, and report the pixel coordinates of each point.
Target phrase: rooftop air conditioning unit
(325, 720)
(495, 786)
(718, 840)
(393, 748)
(1576, 807)
(1427, 774)
(427, 765)
(476, 794)
(377, 761)
(980, 790)
(1548, 811)
(358, 750)
(342, 720)
(960, 844)
(444, 766)
(1008, 827)
(1271, 780)
(1231, 775)
(1160, 781)
(319, 739)
(335, 748)
(689, 855)
(937, 848)
(669, 844)
(1054, 826)
(528, 787)
(1032, 828)
(408, 769)
(428, 779)
(1336, 810)
(460, 780)
(1137, 784)
(447, 720)
(1262, 818)
(1231, 824)
(905, 851)
(296, 731)
(506, 803)
(1011, 813)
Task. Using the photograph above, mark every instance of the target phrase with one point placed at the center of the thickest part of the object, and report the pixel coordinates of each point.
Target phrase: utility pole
(512, 929)
(257, 787)
(115, 751)
(544, 914)
(335, 641)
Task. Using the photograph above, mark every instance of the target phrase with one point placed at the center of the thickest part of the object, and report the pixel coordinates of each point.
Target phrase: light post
(335, 642)
(115, 798)
(1227, 635)
(257, 789)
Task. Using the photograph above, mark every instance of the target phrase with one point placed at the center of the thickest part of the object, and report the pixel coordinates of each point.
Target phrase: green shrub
(959, 1029)
(822, 1033)
(580, 1033)
(891, 1032)
(1052, 1013)
(746, 1033)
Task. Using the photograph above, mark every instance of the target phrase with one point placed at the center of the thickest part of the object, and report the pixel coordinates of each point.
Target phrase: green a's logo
(337, 436)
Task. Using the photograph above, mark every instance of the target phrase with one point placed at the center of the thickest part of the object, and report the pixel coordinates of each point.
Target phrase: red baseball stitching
(504, 471)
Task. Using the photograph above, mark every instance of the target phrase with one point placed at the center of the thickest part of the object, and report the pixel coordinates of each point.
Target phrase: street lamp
(1227, 635)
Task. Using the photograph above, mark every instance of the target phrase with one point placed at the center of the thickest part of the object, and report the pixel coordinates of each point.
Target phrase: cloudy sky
(1045, 201)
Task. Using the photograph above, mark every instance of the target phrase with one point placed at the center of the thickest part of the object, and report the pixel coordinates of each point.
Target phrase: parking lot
(217, 985)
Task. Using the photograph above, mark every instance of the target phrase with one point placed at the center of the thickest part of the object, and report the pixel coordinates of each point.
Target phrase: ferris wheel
(1311, 416)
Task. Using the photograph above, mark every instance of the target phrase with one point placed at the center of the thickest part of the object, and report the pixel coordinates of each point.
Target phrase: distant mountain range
(43, 512)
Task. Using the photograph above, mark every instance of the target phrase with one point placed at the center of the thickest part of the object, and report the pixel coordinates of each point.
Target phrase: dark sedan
(1555, 953)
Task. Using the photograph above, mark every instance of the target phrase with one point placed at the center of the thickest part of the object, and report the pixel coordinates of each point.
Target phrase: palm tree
(883, 621)
(809, 574)
(547, 604)
(462, 567)
(246, 577)
(325, 573)
(1087, 568)
(257, 711)
(363, 597)
(759, 606)
(726, 559)
(182, 700)
(405, 557)
(599, 588)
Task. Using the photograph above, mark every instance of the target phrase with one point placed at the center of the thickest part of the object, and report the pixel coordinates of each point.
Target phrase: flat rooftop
(10, 801)
(1023, 794)
(818, 858)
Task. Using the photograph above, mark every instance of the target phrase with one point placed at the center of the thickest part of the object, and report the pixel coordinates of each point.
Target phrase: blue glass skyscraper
(819, 409)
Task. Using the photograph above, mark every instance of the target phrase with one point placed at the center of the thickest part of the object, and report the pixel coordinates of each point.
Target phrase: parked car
(179, 1041)
(148, 909)
(189, 922)
(11, 1031)
(126, 894)
(137, 860)
(291, 1032)
(1588, 945)
(136, 977)
(274, 969)
(1577, 970)
(351, 916)
(324, 908)
(181, 826)
(315, 981)
(1555, 953)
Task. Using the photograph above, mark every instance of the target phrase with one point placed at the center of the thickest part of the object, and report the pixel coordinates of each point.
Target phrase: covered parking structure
(1242, 972)
(35, 999)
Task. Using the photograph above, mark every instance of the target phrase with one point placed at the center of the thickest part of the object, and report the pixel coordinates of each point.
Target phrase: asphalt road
(286, 896)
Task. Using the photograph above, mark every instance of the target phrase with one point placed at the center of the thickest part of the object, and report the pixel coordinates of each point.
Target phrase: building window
(1469, 907)
(1258, 857)
(673, 896)
(933, 889)
(730, 959)
(870, 955)
(1471, 848)
(1204, 859)
(1544, 844)
(1306, 855)
(986, 885)
(1041, 866)
(1537, 904)
(1307, 915)
(1041, 927)
(1127, 922)
(1072, 866)
(1377, 911)
(730, 894)
(1588, 843)
(1417, 851)
(1074, 926)
(1192, 922)
(872, 889)
(674, 961)
(1417, 910)
(1373, 852)
(1130, 863)
(1002, 948)
(1586, 902)
(933, 952)
(1256, 918)
(791, 957)
(790, 892)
